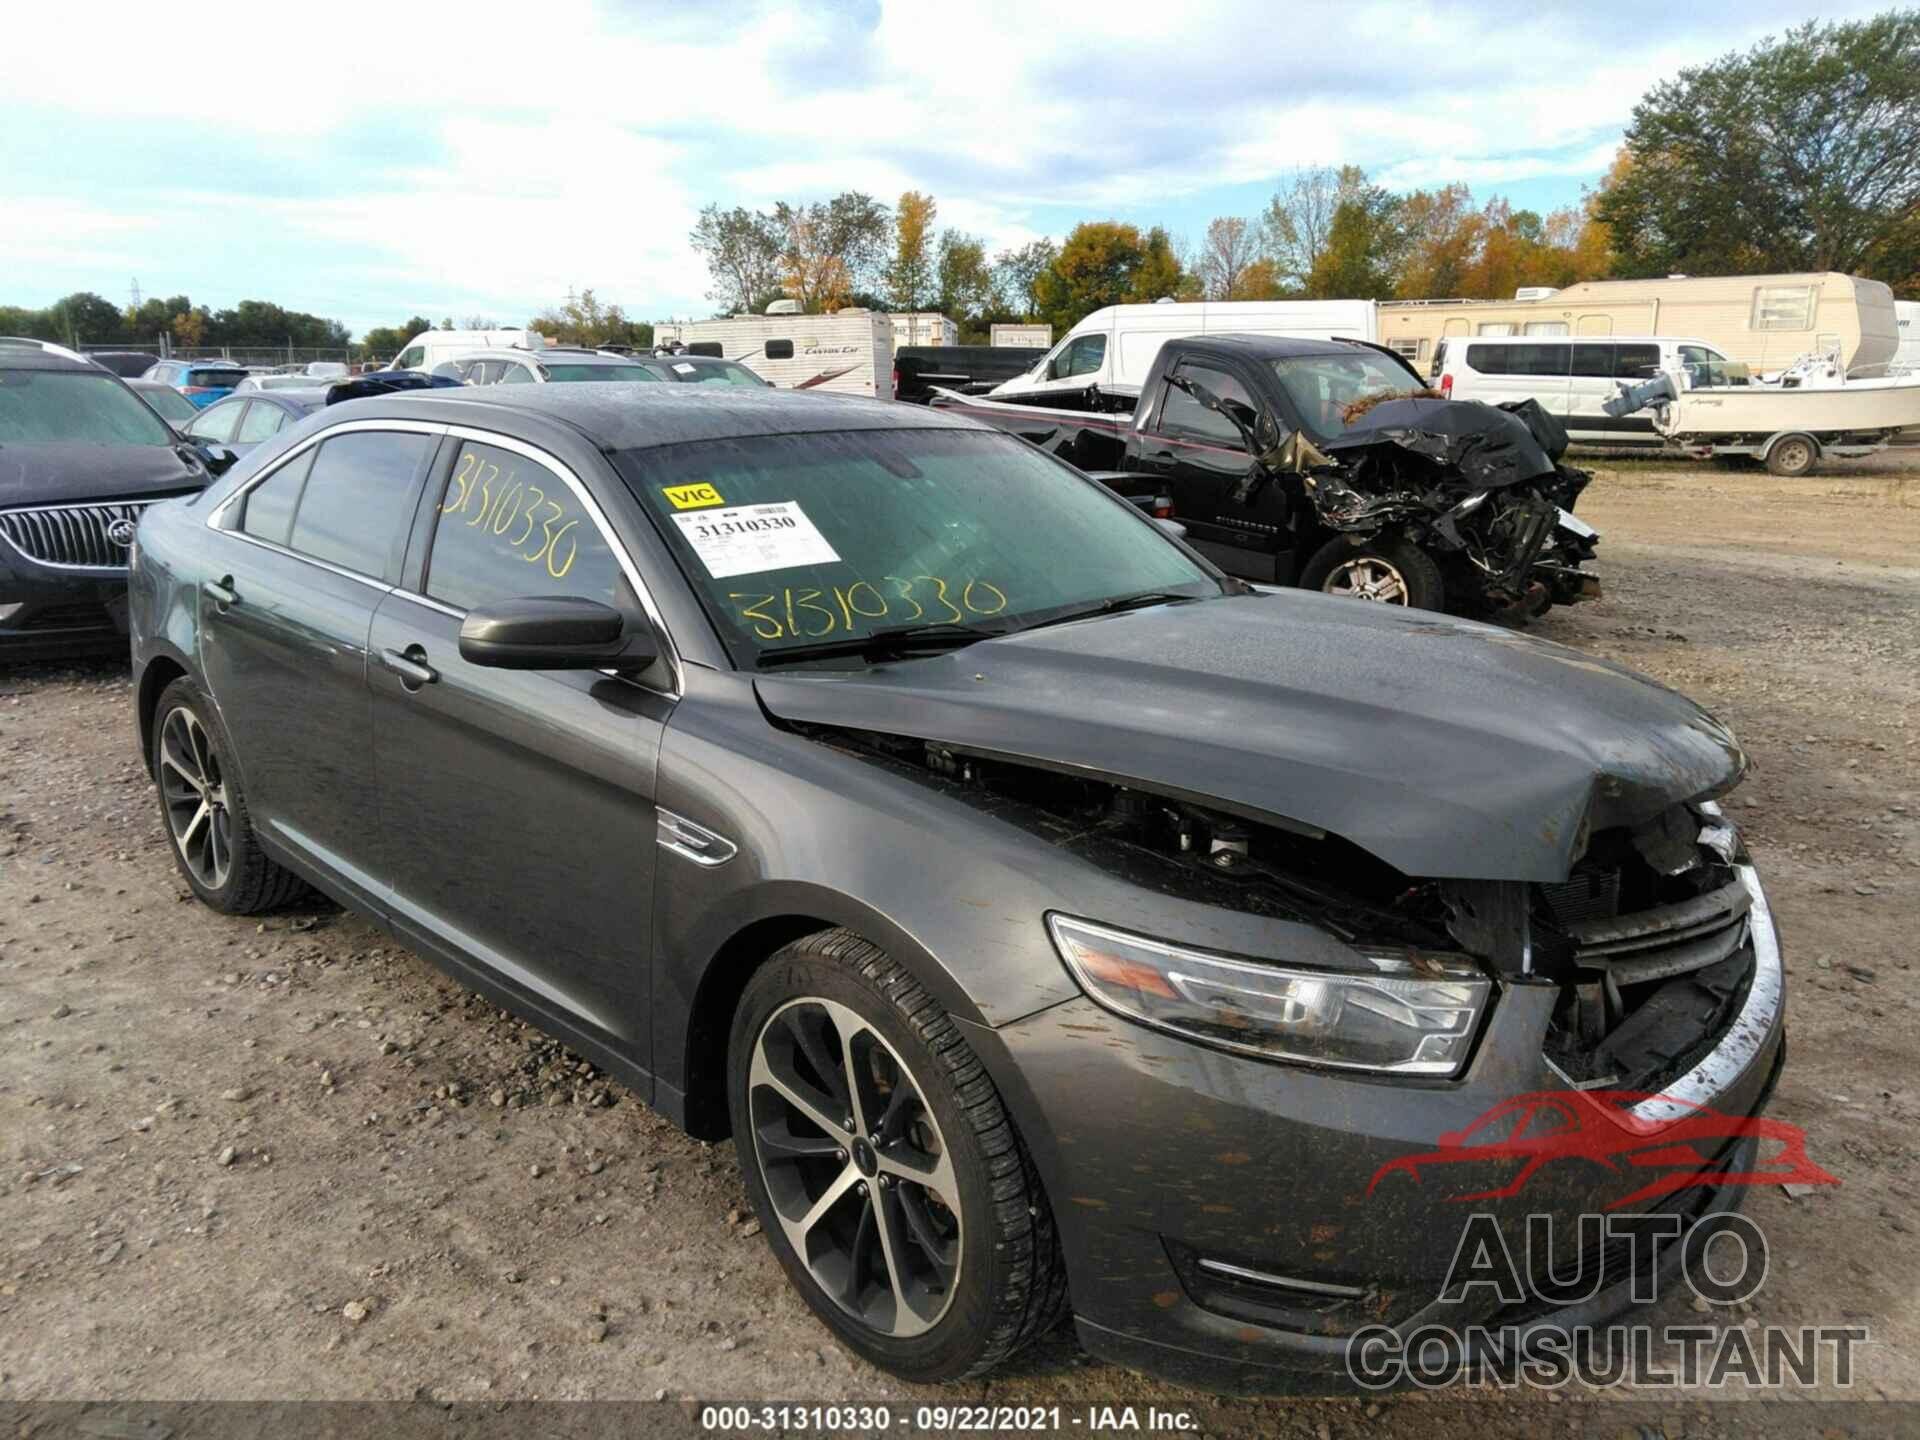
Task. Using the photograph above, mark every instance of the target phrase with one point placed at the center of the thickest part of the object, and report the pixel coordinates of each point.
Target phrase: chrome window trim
(675, 663)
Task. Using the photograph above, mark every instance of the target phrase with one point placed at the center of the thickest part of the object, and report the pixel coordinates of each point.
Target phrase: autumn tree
(1095, 267)
(583, 320)
(910, 277)
(1230, 247)
(832, 248)
(1796, 155)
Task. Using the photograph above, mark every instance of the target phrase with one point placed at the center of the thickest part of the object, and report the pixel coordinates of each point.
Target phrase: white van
(1101, 362)
(1571, 376)
(435, 347)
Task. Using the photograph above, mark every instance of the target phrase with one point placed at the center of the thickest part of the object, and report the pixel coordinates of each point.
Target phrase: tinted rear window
(229, 378)
(598, 372)
(358, 501)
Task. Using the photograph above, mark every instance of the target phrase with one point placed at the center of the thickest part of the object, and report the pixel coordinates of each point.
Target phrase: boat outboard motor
(1656, 391)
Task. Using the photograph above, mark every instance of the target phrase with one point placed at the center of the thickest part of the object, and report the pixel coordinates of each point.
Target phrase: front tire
(204, 813)
(1385, 570)
(883, 1166)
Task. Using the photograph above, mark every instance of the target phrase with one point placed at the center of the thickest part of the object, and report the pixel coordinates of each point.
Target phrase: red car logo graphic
(1530, 1131)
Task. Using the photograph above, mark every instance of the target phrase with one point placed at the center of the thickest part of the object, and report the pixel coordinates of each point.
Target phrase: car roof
(622, 415)
(29, 356)
(1272, 347)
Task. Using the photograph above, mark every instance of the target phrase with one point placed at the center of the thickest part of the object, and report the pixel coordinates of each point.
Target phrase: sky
(486, 159)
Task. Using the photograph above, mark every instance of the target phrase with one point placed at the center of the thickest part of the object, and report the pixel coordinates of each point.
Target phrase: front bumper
(58, 609)
(1158, 1153)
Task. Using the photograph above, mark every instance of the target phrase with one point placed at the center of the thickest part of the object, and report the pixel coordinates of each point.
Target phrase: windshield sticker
(692, 497)
(683, 368)
(751, 539)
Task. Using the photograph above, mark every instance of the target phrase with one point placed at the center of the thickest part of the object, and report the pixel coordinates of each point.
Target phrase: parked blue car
(201, 381)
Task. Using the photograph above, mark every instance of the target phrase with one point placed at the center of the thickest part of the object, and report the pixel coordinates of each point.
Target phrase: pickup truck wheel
(1792, 455)
(883, 1166)
(1388, 572)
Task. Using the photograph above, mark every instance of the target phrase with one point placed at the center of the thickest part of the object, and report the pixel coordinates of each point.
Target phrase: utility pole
(133, 296)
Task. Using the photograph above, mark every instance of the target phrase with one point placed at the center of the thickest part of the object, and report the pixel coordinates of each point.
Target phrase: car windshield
(169, 402)
(803, 540)
(1321, 387)
(598, 372)
(43, 407)
(706, 372)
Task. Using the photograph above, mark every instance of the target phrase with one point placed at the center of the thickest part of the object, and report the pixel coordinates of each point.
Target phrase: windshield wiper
(1115, 605)
(883, 644)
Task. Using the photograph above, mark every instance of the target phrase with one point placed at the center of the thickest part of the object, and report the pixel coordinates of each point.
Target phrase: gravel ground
(290, 1160)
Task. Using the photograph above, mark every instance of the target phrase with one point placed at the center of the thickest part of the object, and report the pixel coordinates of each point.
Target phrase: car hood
(1448, 749)
(70, 474)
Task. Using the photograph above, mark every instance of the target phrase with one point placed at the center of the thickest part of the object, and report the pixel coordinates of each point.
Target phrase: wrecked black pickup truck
(1328, 464)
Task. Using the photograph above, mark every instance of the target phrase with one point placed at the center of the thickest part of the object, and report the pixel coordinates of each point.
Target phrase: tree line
(84, 318)
(1799, 154)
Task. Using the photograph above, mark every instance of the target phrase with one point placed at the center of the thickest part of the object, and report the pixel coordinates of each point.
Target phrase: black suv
(81, 455)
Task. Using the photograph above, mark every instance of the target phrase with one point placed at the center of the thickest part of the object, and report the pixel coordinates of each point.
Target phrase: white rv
(1021, 337)
(435, 347)
(849, 352)
(1100, 363)
(923, 327)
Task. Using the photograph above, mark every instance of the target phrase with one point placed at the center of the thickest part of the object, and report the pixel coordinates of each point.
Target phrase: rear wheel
(883, 1166)
(205, 814)
(1385, 570)
(1792, 455)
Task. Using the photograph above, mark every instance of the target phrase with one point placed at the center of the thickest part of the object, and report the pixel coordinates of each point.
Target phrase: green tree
(1160, 272)
(1797, 155)
(1095, 267)
(1017, 273)
(1365, 244)
(583, 320)
(742, 251)
(964, 278)
(911, 275)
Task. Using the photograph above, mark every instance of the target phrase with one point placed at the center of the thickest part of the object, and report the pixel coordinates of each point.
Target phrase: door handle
(221, 592)
(1159, 459)
(410, 665)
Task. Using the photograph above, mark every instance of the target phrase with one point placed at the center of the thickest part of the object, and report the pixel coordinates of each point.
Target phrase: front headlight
(1414, 1015)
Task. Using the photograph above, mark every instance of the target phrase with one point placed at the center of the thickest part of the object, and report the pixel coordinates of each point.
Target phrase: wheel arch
(698, 1071)
(160, 671)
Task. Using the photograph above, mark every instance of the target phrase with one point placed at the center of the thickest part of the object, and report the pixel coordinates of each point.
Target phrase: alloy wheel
(196, 798)
(855, 1165)
(1368, 578)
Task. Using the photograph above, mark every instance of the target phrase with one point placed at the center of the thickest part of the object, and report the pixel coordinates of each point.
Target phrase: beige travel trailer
(1765, 321)
(849, 352)
(923, 327)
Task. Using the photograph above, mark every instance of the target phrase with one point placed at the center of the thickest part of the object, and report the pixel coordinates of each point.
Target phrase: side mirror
(554, 632)
(216, 457)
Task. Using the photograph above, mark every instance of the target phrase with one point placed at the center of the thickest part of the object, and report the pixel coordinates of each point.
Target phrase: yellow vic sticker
(692, 497)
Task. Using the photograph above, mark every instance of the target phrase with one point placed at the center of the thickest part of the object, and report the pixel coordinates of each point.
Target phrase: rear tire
(938, 1259)
(1791, 456)
(204, 812)
(1385, 570)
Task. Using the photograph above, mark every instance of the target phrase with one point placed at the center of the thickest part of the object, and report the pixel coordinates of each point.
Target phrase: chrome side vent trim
(692, 842)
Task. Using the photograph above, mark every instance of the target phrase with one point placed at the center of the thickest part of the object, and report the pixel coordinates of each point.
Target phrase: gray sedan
(1053, 922)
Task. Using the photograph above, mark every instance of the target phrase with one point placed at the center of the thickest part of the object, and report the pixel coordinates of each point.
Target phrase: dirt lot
(291, 1160)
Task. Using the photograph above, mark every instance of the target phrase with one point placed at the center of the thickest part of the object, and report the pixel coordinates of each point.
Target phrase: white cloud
(575, 142)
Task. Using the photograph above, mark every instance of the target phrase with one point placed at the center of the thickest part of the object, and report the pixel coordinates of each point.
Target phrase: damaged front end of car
(1479, 487)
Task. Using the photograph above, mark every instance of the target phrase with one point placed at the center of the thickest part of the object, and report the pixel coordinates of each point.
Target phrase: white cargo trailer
(923, 327)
